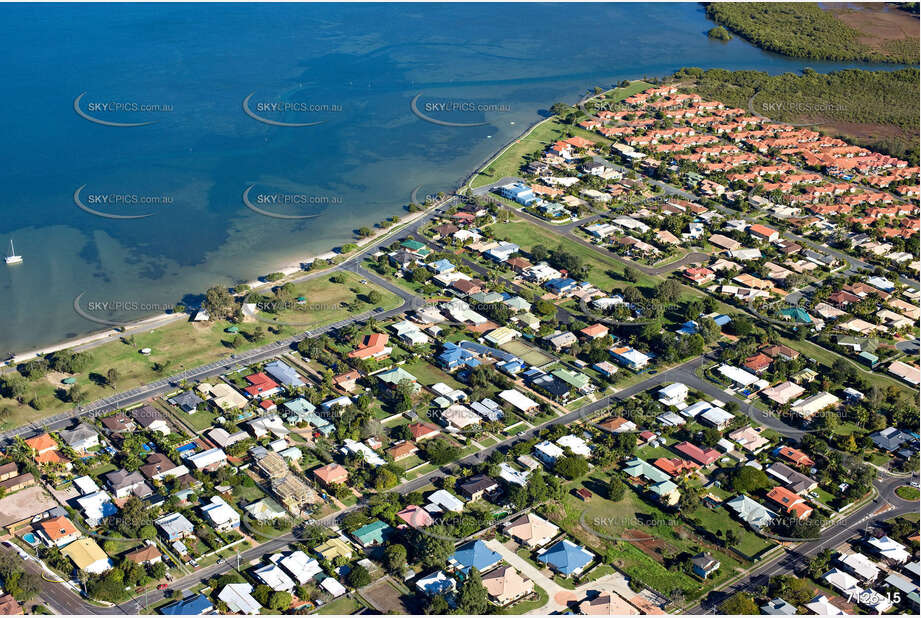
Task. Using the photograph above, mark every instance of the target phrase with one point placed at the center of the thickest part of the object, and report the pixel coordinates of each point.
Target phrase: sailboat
(12, 258)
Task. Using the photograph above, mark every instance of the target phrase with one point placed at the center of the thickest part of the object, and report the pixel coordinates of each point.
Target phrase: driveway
(558, 596)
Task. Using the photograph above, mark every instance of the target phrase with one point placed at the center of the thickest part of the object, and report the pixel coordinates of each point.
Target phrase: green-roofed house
(665, 492)
(640, 469)
(578, 381)
(796, 314)
(394, 376)
(416, 247)
(374, 533)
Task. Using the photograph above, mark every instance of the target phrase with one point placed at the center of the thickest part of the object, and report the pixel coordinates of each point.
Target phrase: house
(159, 466)
(810, 406)
(331, 549)
(562, 341)
(474, 555)
(148, 554)
(222, 516)
(42, 444)
(890, 439)
(373, 533)
(821, 605)
(859, 566)
(795, 481)
(283, 373)
(595, 331)
(519, 401)
(274, 577)
(717, 417)
(759, 363)
(778, 607)
(223, 438)
(403, 450)
(762, 232)
(423, 431)
(566, 558)
(174, 526)
(416, 516)
(886, 548)
(454, 357)
(8, 471)
(149, 418)
(300, 566)
(475, 487)
(197, 605)
(333, 587)
(124, 483)
(87, 556)
(238, 599)
(117, 423)
(607, 604)
(265, 510)
(792, 503)
(444, 500)
(673, 394)
(548, 452)
(81, 438)
(704, 565)
(531, 530)
(630, 358)
(797, 456)
(749, 438)
(373, 346)
(737, 376)
(187, 401)
(784, 392)
(223, 396)
(347, 381)
(409, 333)
(459, 417)
(436, 584)
(57, 531)
(703, 457)
(504, 585)
(751, 512)
(209, 460)
(272, 465)
(331, 474)
(9, 606)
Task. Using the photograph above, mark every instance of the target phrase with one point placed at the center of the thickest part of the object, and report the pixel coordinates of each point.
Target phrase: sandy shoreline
(288, 268)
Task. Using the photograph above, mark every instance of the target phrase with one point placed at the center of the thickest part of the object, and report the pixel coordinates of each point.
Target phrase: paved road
(796, 558)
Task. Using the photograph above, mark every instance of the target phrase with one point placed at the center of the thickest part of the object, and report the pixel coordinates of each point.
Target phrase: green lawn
(713, 520)
(906, 492)
(428, 374)
(343, 606)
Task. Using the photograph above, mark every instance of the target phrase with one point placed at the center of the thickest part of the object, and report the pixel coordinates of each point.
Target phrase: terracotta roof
(145, 554)
(404, 449)
(331, 474)
(9, 606)
(42, 442)
(422, 430)
(57, 528)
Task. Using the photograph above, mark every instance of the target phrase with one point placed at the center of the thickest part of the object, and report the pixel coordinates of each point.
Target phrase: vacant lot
(385, 597)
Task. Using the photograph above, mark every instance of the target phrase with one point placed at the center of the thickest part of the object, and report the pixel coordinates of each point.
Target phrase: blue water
(203, 60)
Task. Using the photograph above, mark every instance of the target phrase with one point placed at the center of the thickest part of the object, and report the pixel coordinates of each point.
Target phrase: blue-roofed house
(190, 606)
(511, 367)
(435, 584)
(474, 555)
(722, 319)
(441, 267)
(560, 285)
(796, 314)
(283, 373)
(688, 328)
(454, 357)
(567, 558)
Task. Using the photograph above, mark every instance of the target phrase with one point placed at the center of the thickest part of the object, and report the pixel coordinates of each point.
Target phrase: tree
(472, 599)
(747, 479)
(571, 466)
(616, 489)
(374, 297)
(740, 604)
(433, 547)
(338, 278)
(358, 577)
(668, 291)
(395, 558)
(218, 303)
(112, 377)
(719, 33)
(280, 600)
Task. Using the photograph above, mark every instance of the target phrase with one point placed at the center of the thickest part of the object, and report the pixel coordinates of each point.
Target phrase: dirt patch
(385, 598)
(652, 546)
(880, 24)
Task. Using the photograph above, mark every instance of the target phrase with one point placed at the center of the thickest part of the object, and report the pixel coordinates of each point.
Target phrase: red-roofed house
(763, 232)
(595, 331)
(701, 456)
(260, 385)
(757, 363)
(699, 275)
(423, 431)
(674, 466)
(796, 456)
(791, 502)
(331, 474)
(372, 346)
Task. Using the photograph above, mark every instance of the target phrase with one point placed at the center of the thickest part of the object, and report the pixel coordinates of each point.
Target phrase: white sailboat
(12, 258)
